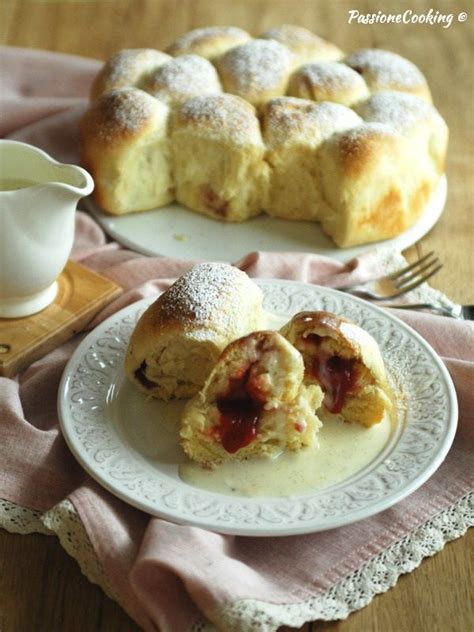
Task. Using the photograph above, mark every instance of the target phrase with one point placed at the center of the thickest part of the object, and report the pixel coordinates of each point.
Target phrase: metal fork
(401, 281)
(461, 312)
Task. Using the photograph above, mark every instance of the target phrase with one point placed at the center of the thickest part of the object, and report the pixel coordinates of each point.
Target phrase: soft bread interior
(345, 361)
(253, 404)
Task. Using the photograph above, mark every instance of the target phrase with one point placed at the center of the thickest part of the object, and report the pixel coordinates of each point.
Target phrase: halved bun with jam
(254, 403)
(345, 361)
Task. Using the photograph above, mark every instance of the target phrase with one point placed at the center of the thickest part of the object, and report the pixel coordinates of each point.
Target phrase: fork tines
(417, 272)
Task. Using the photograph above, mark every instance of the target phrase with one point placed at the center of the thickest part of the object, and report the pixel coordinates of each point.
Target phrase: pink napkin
(165, 575)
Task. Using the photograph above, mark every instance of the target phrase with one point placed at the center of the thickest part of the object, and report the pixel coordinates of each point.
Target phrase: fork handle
(362, 293)
(440, 309)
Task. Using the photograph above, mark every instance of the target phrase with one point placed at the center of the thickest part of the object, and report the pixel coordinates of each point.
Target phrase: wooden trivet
(81, 294)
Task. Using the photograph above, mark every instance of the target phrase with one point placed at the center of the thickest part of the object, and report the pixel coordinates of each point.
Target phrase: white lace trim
(64, 522)
(358, 589)
(352, 593)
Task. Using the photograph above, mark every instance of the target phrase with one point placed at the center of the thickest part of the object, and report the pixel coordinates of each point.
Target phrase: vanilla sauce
(342, 450)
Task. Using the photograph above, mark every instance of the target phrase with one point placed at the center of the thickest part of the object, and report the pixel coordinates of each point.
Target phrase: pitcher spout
(72, 181)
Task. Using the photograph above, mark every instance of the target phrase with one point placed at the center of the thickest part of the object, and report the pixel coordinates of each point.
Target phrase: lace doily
(352, 593)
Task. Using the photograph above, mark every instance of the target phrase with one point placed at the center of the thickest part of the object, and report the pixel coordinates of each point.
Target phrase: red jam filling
(141, 376)
(337, 376)
(240, 408)
(214, 202)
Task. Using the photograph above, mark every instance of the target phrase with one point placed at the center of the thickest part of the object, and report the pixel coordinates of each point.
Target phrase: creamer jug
(38, 198)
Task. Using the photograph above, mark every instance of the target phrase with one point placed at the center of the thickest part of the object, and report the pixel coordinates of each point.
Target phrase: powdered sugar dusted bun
(328, 81)
(127, 68)
(209, 42)
(125, 147)
(254, 403)
(305, 45)
(383, 70)
(178, 339)
(294, 130)
(369, 184)
(181, 78)
(218, 157)
(257, 70)
(345, 361)
(417, 120)
(365, 180)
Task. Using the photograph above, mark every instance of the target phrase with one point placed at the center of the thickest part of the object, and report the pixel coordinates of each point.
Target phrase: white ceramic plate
(175, 231)
(110, 428)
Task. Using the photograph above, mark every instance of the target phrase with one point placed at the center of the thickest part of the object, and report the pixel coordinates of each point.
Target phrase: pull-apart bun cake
(345, 361)
(286, 124)
(179, 338)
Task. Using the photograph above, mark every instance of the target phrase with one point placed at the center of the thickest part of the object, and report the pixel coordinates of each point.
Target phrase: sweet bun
(127, 68)
(306, 46)
(294, 130)
(218, 157)
(125, 147)
(253, 404)
(328, 81)
(416, 120)
(384, 70)
(365, 173)
(257, 70)
(182, 78)
(377, 178)
(179, 337)
(345, 361)
(208, 42)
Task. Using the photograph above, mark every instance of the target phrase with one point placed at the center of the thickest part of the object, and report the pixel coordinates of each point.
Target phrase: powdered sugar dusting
(255, 66)
(287, 118)
(129, 64)
(124, 110)
(329, 75)
(191, 40)
(184, 77)
(398, 109)
(204, 294)
(385, 69)
(225, 116)
(292, 35)
(354, 140)
(303, 43)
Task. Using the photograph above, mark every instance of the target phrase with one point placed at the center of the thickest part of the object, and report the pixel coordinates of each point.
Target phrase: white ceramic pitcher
(38, 198)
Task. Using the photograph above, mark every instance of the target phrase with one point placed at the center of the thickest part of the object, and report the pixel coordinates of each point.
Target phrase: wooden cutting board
(82, 293)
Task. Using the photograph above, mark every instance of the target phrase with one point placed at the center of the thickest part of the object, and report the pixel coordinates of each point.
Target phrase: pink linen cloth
(166, 575)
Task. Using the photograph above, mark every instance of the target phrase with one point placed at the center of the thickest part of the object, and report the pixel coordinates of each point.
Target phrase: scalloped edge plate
(175, 231)
(417, 447)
